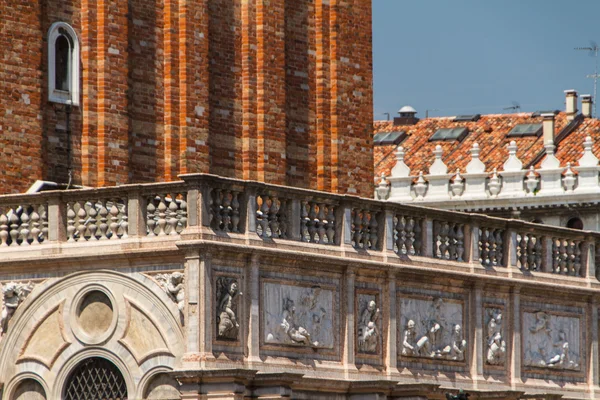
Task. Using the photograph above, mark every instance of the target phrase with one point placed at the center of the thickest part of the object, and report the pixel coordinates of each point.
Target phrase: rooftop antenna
(388, 115)
(593, 52)
(515, 107)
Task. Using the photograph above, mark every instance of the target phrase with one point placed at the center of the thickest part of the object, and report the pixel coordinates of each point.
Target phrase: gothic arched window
(95, 379)
(63, 64)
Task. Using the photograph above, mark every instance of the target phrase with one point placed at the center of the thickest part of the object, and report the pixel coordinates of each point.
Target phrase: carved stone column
(589, 258)
(205, 306)
(427, 238)
(476, 347)
(391, 351)
(514, 353)
(253, 289)
(350, 341)
(192, 290)
(592, 356)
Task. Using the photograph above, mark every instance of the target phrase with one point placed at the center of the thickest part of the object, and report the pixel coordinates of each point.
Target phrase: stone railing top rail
(207, 181)
(206, 206)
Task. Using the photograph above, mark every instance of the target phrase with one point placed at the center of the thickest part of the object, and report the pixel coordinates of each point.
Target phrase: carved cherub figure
(173, 285)
(367, 328)
(496, 345)
(13, 295)
(227, 321)
(296, 333)
(562, 357)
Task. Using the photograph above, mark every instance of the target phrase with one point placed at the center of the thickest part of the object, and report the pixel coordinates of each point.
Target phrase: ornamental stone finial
(458, 184)
(550, 162)
(532, 181)
(438, 167)
(420, 186)
(513, 163)
(400, 169)
(588, 159)
(495, 185)
(475, 166)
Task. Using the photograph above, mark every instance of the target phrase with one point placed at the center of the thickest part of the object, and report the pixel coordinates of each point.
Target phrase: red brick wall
(272, 90)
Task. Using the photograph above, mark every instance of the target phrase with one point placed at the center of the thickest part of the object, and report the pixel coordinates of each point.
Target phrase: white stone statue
(295, 332)
(173, 285)
(368, 333)
(227, 293)
(458, 346)
(496, 344)
(13, 295)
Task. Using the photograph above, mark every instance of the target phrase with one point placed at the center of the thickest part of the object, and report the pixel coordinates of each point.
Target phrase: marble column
(253, 289)
(205, 305)
(476, 338)
(514, 353)
(349, 342)
(391, 351)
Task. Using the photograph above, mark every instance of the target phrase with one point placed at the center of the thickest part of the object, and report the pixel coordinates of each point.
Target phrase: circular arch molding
(9, 390)
(147, 379)
(70, 288)
(73, 362)
(80, 333)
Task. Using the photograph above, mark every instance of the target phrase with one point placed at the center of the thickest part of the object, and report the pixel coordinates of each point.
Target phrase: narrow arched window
(575, 223)
(63, 64)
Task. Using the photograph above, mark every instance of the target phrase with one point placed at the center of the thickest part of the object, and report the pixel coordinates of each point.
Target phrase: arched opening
(62, 63)
(95, 378)
(575, 223)
(537, 221)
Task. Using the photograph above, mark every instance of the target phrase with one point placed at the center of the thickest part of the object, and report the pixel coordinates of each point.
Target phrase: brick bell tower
(107, 92)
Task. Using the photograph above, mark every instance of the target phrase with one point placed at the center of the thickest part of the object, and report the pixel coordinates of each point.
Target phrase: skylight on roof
(467, 118)
(450, 134)
(525, 130)
(388, 138)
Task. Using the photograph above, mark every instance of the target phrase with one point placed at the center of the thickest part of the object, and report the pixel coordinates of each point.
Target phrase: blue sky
(478, 56)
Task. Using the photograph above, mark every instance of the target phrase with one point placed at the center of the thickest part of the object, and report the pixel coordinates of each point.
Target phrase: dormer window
(63, 64)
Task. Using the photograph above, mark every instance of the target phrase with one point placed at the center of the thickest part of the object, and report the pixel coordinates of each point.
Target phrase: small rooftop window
(387, 138)
(525, 130)
(450, 134)
(467, 118)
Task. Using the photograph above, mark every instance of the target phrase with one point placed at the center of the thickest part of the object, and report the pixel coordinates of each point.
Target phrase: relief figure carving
(227, 294)
(173, 285)
(368, 331)
(303, 317)
(496, 352)
(13, 294)
(438, 332)
(549, 340)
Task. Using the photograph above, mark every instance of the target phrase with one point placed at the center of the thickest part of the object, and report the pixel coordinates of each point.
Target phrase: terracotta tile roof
(490, 133)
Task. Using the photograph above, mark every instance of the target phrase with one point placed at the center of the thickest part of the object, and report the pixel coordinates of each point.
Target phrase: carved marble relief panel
(298, 315)
(227, 314)
(551, 341)
(432, 328)
(368, 329)
(495, 335)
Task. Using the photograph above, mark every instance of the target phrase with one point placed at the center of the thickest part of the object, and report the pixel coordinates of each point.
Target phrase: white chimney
(548, 127)
(586, 105)
(571, 101)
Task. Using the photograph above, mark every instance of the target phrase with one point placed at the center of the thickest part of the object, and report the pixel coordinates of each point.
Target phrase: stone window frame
(70, 96)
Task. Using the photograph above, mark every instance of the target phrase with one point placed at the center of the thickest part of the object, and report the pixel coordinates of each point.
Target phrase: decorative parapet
(548, 184)
(206, 206)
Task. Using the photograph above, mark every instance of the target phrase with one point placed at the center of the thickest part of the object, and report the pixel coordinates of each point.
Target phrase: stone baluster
(162, 216)
(150, 217)
(273, 217)
(226, 209)
(114, 221)
(103, 227)
(71, 223)
(330, 226)
(92, 225)
(235, 212)
(304, 234)
(24, 227)
(417, 236)
(14, 227)
(3, 230)
(35, 226)
(373, 232)
(81, 222)
(217, 217)
(321, 223)
(45, 229)
(182, 214)
(311, 222)
(172, 215)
